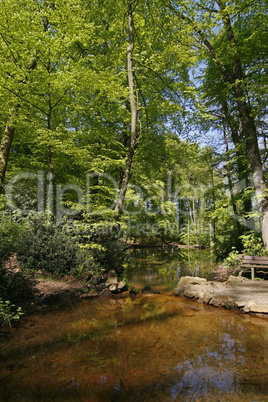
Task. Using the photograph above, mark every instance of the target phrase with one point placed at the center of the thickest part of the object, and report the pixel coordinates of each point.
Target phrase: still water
(144, 348)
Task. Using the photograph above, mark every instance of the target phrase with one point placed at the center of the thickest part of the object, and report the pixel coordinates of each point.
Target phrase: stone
(86, 276)
(235, 279)
(190, 291)
(208, 294)
(105, 293)
(96, 279)
(111, 281)
(122, 286)
(216, 301)
(113, 288)
(112, 274)
(255, 308)
(191, 280)
(230, 303)
(100, 287)
(178, 291)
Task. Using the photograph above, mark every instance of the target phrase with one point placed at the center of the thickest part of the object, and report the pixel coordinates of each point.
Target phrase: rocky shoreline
(236, 293)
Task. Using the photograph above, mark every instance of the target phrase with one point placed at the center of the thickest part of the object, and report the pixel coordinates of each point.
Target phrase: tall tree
(216, 28)
(133, 111)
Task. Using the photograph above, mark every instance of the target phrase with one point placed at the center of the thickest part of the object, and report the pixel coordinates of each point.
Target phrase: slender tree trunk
(7, 141)
(8, 135)
(133, 109)
(229, 177)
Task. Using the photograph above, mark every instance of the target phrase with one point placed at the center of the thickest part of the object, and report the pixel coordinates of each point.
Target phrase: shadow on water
(144, 348)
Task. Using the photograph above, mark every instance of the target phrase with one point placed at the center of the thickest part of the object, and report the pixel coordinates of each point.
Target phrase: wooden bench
(253, 262)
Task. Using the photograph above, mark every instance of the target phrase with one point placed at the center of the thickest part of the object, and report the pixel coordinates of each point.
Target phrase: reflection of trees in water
(161, 266)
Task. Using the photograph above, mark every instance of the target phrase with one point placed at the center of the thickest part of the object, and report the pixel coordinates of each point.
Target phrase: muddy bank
(236, 293)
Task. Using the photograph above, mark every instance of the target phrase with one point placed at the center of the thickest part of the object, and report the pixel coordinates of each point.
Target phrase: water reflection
(145, 348)
(162, 269)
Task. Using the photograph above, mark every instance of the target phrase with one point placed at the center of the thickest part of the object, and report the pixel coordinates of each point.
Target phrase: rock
(178, 291)
(111, 281)
(86, 276)
(112, 274)
(216, 301)
(236, 293)
(147, 290)
(122, 286)
(100, 287)
(190, 291)
(113, 288)
(235, 279)
(253, 307)
(105, 293)
(191, 280)
(230, 303)
(208, 294)
(96, 279)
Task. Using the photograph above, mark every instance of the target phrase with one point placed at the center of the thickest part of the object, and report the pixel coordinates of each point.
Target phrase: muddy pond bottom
(145, 348)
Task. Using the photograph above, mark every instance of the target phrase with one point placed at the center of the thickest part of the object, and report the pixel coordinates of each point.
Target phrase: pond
(144, 348)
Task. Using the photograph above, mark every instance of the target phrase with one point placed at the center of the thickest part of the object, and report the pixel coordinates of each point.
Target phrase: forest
(135, 120)
(133, 196)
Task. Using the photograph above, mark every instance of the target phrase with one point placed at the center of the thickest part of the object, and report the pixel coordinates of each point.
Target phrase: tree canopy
(106, 107)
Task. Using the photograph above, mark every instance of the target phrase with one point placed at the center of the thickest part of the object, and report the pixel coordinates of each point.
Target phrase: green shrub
(253, 244)
(111, 254)
(45, 247)
(15, 286)
(232, 260)
(8, 312)
(12, 228)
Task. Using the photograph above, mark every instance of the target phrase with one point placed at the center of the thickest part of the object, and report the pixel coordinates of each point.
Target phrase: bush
(15, 286)
(45, 247)
(111, 254)
(253, 244)
(8, 312)
(232, 260)
(12, 228)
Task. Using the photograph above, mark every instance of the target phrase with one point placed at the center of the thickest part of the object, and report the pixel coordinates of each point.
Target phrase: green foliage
(232, 260)
(74, 112)
(12, 228)
(9, 312)
(45, 247)
(253, 244)
(111, 254)
(15, 286)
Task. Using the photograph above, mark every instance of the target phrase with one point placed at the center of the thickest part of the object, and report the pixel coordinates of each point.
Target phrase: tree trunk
(249, 132)
(8, 135)
(7, 141)
(133, 109)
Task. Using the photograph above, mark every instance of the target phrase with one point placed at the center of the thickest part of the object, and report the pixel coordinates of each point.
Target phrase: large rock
(191, 280)
(236, 293)
(252, 307)
(111, 281)
(105, 293)
(236, 279)
(122, 286)
(96, 279)
(86, 276)
(190, 291)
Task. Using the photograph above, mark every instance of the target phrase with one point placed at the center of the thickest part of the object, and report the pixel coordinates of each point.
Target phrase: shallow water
(145, 348)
